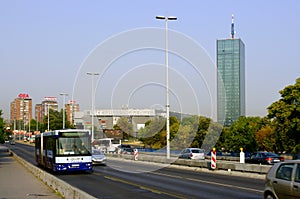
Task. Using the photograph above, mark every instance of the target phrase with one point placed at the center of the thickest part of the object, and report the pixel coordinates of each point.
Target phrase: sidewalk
(16, 182)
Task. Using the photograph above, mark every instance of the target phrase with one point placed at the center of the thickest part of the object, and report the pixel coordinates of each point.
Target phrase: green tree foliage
(154, 133)
(125, 126)
(194, 131)
(213, 134)
(241, 134)
(34, 125)
(285, 117)
(184, 137)
(174, 126)
(191, 132)
(203, 124)
(280, 131)
(55, 121)
(5, 134)
(2, 129)
(265, 139)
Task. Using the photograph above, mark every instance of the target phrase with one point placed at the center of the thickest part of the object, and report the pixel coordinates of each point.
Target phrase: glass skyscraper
(231, 80)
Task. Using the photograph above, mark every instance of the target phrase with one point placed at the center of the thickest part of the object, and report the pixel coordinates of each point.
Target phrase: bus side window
(62, 147)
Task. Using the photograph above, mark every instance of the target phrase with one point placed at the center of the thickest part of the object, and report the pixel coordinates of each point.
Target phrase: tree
(285, 116)
(265, 139)
(55, 121)
(241, 134)
(183, 138)
(211, 138)
(125, 126)
(34, 125)
(203, 124)
(154, 134)
(192, 131)
(2, 129)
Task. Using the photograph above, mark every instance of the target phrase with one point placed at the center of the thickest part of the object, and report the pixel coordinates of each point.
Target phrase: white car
(98, 157)
(192, 153)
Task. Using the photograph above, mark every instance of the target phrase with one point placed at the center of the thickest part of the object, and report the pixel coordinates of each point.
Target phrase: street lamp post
(64, 100)
(93, 106)
(167, 82)
(48, 117)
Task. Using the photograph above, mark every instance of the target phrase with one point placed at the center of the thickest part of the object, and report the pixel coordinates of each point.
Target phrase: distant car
(125, 149)
(129, 151)
(192, 153)
(264, 158)
(12, 142)
(98, 157)
(296, 156)
(283, 180)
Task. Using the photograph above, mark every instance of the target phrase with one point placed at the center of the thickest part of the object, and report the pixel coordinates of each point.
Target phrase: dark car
(125, 149)
(129, 151)
(283, 180)
(296, 156)
(264, 158)
(12, 142)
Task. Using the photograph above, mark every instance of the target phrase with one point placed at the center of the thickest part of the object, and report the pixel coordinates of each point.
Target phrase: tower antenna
(232, 26)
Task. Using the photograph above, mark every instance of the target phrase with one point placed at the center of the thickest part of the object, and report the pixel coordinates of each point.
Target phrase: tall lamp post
(93, 96)
(48, 116)
(64, 101)
(167, 82)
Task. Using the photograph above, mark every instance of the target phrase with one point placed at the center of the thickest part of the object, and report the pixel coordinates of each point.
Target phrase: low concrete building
(107, 118)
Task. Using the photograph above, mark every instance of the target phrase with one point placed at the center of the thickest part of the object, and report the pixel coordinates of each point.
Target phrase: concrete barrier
(222, 164)
(58, 185)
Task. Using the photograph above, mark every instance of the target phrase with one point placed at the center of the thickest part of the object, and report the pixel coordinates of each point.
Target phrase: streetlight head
(160, 17)
(172, 18)
(91, 73)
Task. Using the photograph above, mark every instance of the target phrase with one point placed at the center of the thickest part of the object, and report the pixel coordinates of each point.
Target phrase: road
(130, 179)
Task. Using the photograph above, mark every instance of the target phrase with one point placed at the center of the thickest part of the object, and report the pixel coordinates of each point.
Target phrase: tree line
(279, 131)
(55, 122)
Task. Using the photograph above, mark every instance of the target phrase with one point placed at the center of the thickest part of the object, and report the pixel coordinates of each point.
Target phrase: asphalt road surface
(135, 179)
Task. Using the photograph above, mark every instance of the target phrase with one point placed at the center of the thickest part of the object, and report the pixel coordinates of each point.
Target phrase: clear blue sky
(43, 45)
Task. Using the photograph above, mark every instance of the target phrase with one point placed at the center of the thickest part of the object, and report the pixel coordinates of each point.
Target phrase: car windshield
(97, 152)
(270, 154)
(197, 151)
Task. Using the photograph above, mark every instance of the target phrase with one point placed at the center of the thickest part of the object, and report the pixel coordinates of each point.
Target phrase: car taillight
(191, 155)
(281, 159)
(268, 159)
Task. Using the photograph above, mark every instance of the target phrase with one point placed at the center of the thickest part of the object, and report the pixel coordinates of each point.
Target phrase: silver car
(98, 157)
(192, 153)
(283, 180)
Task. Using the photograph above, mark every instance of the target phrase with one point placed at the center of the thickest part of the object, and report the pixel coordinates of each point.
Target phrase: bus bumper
(74, 166)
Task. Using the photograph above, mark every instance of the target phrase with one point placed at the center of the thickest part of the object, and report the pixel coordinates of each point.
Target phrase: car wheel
(269, 196)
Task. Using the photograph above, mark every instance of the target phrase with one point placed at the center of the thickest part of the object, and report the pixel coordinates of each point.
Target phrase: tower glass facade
(231, 80)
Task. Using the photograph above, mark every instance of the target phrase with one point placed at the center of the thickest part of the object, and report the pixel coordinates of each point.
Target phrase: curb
(64, 189)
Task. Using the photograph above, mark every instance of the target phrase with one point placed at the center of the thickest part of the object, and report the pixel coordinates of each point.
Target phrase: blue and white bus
(64, 150)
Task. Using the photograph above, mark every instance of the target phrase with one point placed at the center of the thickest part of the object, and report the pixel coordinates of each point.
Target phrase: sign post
(213, 159)
(242, 156)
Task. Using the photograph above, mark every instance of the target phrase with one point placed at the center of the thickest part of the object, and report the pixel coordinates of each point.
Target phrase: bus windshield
(73, 145)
